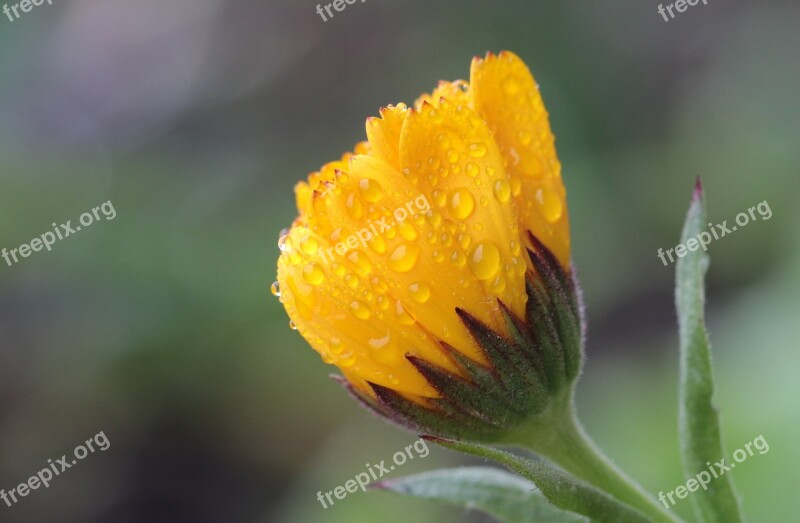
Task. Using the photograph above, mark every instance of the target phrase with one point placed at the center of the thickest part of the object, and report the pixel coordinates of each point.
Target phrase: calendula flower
(432, 264)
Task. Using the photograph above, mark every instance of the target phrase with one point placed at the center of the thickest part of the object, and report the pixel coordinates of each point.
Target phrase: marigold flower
(432, 264)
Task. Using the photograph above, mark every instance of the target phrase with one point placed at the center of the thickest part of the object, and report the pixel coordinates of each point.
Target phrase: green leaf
(698, 418)
(505, 496)
(562, 490)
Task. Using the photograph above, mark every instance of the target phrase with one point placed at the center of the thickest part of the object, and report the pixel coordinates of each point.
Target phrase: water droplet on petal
(549, 204)
(351, 280)
(439, 197)
(502, 191)
(477, 149)
(420, 292)
(452, 156)
(377, 244)
(404, 257)
(458, 259)
(313, 274)
(355, 207)
(360, 262)
(499, 284)
(337, 347)
(378, 343)
(348, 360)
(292, 325)
(370, 190)
(462, 203)
(275, 289)
(360, 310)
(484, 261)
(282, 242)
(407, 231)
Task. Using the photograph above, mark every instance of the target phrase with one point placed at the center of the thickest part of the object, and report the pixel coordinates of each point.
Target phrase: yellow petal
(384, 134)
(505, 95)
(455, 92)
(449, 154)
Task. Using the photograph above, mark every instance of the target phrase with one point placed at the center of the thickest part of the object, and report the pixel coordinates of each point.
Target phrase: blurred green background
(197, 118)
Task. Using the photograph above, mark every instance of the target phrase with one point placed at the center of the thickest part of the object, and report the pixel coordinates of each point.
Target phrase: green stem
(561, 438)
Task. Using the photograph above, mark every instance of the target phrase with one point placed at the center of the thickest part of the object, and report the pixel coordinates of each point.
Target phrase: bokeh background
(197, 118)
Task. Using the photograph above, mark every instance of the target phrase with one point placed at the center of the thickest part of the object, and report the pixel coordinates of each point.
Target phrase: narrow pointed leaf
(507, 497)
(561, 489)
(699, 424)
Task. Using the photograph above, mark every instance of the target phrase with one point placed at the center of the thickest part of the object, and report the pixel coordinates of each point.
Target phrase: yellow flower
(424, 226)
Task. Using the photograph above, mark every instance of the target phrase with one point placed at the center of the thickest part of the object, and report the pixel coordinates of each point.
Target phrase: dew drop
(471, 169)
(377, 343)
(420, 292)
(439, 197)
(313, 274)
(359, 310)
(370, 190)
(484, 261)
(404, 257)
(458, 259)
(275, 289)
(360, 262)
(463, 239)
(477, 149)
(462, 203)
(292, 325)
(434, 218)
(452, 156)
(499, 284)
(337, 347)
(351, 280)
(338, 269)
(434, 162)
(502, 191)
(447, 239)
(378, 284)
(309, 245)
(355, 207)
(524, 137)
(377, 244)
(348, 360)
(549, 204)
